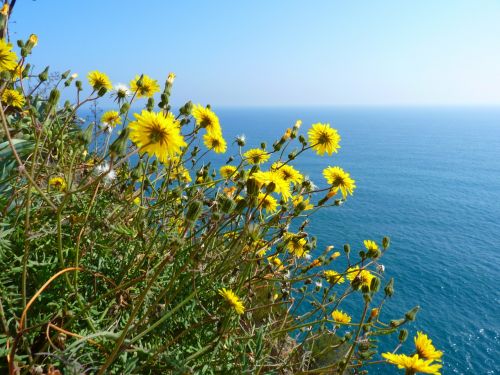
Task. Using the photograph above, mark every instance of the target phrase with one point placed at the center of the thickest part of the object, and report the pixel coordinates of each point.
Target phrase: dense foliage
(124, 250)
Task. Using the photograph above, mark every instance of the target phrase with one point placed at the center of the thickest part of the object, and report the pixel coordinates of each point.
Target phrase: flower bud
(102, 91)
(375, 285)
(403, 335)
(53, 100)
(186, 109)
(347, 249)
(270, 188)
(119, 146)
(252, 186)
(44, 75)
(263, 145)
(386, 241)
(150, 104)
(389, 288)
(396, 322)
(374, 313)
(226, 204)
(78, 85)
(65, 74)
(124, 108)
(194, 211)
(410, 315)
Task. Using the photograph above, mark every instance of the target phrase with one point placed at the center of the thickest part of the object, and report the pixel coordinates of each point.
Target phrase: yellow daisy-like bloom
(58, 183)
(233, 300)
(157, 134)
(288, 173)
(364, 276)
(137, 201)
(333, 277)
(256, 156)
(13, 98)
(340, 317)
(272, 177)
(206, 118)
(425, 349)
(323, 138)
(229, 191)
(267, 203)
(99, 80)
(228, 171)
(297, 247)
(412, 364)
(370, 245)
(111, 118)
(179, 172)
(299, 199)
(339, 179)
(17, 72)
(8, 58)
(215, 142)
(275, 261)
(146, 88)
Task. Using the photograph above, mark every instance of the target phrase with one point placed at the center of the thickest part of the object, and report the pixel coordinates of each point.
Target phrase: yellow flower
(145, 87)
(99, 80)
(13, 98)
(8, 58)
(256, 156)
(215, 142)
(229, 191)
(233, 300)
(137, 201)
(17, 72)
(228, 171)
(171, 78)
(58, 183)
(274, 260)
(300, 199)
(323, 138)
(267, 203)
(412, 364)
(425, 349)
(111, 118)
(157, 134)
(271, 177)
(179, 172)
(363, 275)
(297, 247)
(5, 9)
(370, 245)
(340, 317)
(206, 118)
(288, 173)
(339, 179)
(333, 277)
(33, 39)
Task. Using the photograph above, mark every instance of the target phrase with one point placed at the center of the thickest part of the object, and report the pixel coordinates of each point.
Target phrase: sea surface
(429, 178)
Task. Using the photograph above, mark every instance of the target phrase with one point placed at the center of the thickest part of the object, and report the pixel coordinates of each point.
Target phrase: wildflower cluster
(125, 249)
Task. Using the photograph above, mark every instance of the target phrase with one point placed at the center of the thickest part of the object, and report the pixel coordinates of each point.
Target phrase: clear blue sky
(263, 52)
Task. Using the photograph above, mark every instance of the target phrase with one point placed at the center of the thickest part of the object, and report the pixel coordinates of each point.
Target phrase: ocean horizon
(429, 178)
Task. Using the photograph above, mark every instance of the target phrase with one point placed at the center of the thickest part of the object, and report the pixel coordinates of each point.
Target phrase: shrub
(125, 250)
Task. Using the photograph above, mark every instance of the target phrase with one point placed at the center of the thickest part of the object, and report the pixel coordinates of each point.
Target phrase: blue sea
(429, 178)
